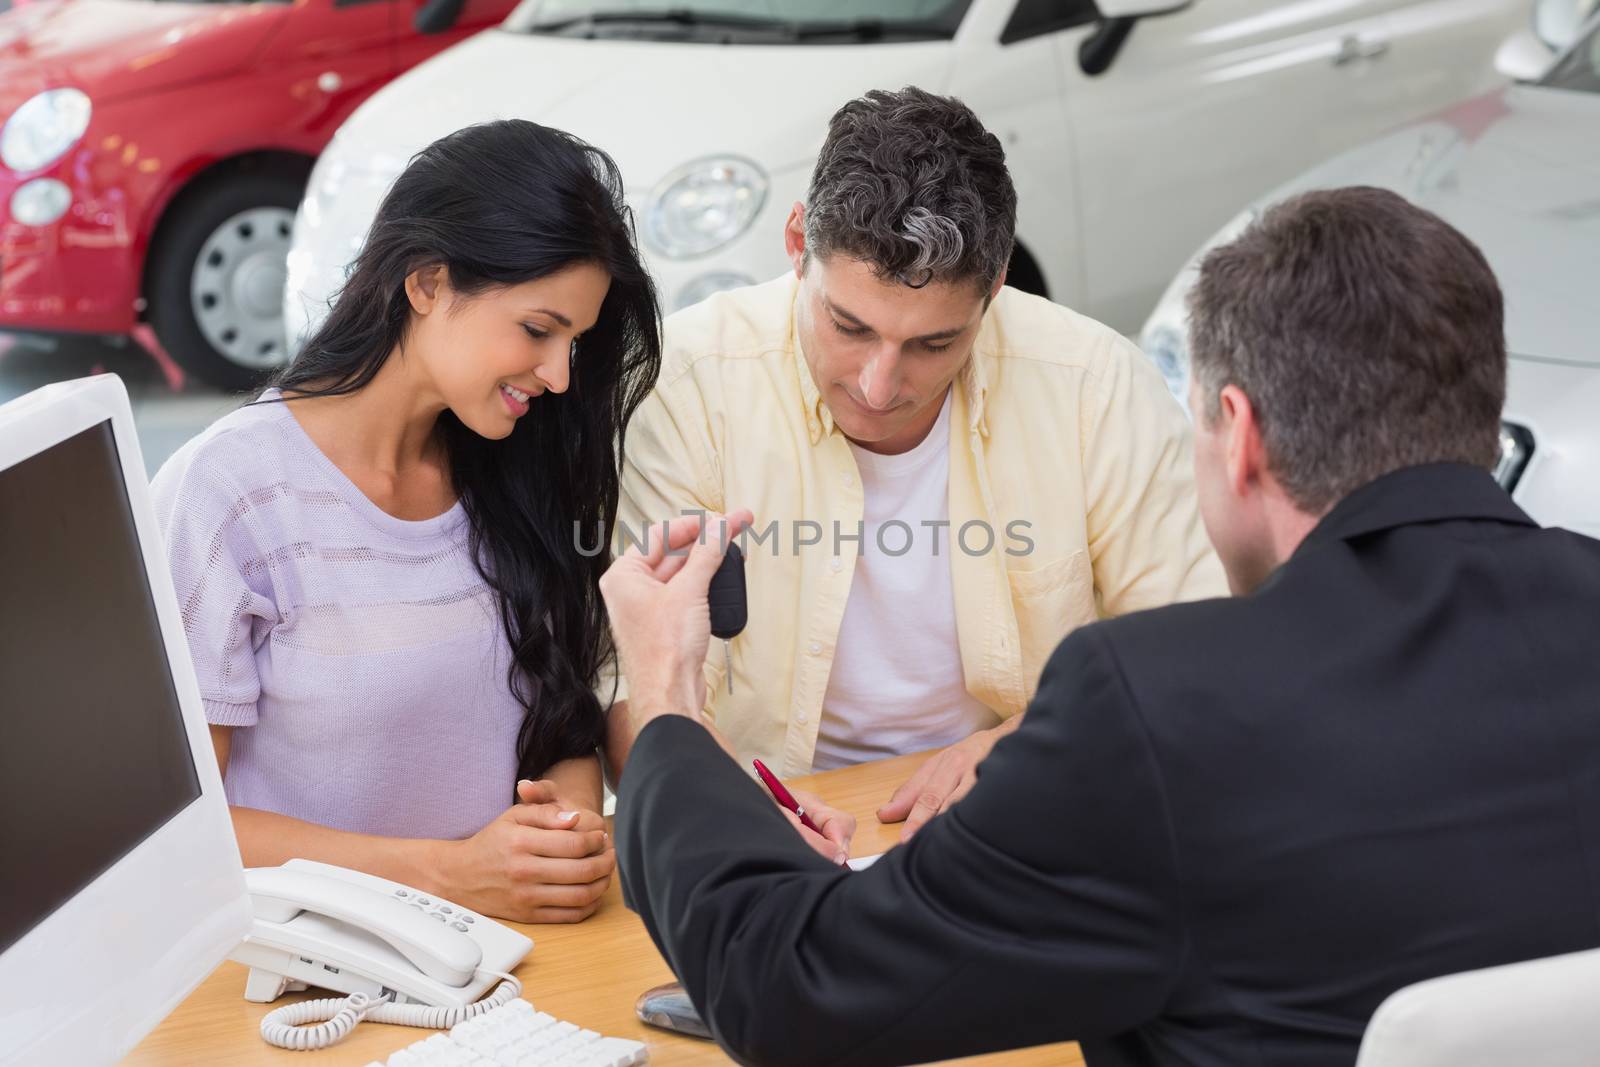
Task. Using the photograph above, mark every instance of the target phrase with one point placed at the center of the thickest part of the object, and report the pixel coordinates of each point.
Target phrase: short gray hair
(1369, 335)
(912, 184)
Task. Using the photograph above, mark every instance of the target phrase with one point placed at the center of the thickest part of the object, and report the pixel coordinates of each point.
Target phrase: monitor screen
(93, 753)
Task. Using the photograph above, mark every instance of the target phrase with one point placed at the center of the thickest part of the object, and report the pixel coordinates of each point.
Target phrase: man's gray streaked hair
(912, 184)
(1368, 333)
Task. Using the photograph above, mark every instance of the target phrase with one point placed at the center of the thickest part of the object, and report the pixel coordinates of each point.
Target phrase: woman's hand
(547, 793)
(539, 862)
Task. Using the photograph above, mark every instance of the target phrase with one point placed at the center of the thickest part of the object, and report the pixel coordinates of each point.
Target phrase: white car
(1132, 127)
(1517, 171)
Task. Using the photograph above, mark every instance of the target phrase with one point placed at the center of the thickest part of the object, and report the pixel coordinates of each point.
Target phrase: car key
(729, 608)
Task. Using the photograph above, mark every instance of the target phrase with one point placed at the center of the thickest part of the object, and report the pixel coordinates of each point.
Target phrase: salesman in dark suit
(1225, 830)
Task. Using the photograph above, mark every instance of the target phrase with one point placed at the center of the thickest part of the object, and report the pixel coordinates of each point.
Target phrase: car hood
(113, 48)
(651, 105)
(1517, 171)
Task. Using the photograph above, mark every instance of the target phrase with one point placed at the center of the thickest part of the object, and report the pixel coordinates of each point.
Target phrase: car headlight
(40, 202)
(40, 131)
(717, 281)
(1168, 348)
(703, 205)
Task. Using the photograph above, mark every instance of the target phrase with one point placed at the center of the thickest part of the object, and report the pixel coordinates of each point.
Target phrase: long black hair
(501, 204)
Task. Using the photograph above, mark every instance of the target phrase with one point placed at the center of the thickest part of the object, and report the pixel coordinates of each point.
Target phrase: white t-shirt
(896, 684)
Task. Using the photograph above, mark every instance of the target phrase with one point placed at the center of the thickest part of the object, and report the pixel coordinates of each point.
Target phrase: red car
(153, 153)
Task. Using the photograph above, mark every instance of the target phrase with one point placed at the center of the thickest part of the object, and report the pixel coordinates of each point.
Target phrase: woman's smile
(516, 400)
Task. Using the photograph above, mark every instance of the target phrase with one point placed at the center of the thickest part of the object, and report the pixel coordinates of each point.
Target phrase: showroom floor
(166, 418)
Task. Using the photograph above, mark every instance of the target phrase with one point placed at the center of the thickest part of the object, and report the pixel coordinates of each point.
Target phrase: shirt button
(800, 718)
(815, 649)
(835, 564)
(849, 481)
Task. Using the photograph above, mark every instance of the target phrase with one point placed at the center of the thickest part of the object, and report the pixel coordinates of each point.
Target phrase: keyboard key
(617, 1052)
(515, 1035)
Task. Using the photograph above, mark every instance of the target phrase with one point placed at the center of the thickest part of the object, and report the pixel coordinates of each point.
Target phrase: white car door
(1006, 70)
(1209, 107)
(1445, 48)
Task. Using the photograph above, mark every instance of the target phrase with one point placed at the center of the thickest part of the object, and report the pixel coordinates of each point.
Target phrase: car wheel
(216, 277)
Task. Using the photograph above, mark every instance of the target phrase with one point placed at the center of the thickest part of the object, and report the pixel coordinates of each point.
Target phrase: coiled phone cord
(287, 1027)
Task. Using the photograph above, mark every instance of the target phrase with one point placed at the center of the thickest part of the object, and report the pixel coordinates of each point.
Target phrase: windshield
(744, 21)
(1580, 69)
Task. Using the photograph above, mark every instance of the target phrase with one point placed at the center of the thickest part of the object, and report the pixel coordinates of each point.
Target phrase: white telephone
(387, 945)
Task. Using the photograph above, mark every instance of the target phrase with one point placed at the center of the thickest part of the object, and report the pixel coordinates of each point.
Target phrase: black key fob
(669, 1008)
(729, 608)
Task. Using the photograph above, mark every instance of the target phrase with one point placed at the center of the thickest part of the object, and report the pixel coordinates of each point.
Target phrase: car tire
(214, 281)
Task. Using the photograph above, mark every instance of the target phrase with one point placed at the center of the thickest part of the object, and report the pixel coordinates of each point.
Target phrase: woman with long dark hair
(396, 633)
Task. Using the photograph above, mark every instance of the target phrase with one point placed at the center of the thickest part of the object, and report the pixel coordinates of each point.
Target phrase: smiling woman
(391, 622)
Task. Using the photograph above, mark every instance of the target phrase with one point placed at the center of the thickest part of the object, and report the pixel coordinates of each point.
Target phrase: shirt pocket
(1050, 602)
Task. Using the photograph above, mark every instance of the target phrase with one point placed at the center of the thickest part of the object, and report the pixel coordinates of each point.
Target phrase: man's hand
(660, 618)
(942, 780)
(837, 827)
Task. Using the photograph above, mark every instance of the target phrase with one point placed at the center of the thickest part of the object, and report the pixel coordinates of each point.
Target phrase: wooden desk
(590, 974)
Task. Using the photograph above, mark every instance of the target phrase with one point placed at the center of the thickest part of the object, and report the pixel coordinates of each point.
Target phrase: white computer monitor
(120, 881)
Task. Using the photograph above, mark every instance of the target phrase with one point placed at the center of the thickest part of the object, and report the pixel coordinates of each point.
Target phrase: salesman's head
(902, 242)
(1345, 334)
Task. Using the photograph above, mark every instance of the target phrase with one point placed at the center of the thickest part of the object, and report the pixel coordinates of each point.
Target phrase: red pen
(784, 797)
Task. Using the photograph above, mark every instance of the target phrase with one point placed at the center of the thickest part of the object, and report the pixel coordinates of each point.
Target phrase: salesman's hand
(837, 827)
(942, 780)
(660, 618)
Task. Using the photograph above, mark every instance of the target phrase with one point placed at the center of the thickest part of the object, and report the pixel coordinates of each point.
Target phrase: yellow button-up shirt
(1066, 451)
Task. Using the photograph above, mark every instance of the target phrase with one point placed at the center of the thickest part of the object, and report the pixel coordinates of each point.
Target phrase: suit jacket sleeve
(1041, 908)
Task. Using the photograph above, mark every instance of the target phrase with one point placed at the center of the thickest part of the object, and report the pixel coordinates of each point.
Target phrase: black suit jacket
(1223, 834)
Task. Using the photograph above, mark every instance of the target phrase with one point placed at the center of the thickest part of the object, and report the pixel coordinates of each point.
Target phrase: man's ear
(425, 287)
(1247, 457)
(794, 238)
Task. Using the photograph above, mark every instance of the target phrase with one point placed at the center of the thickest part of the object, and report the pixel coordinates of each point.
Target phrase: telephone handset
(280, 894)
(389, 946)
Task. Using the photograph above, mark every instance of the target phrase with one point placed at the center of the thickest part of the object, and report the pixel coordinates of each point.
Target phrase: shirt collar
(819, 420)
(973, 380)
(1431, 492)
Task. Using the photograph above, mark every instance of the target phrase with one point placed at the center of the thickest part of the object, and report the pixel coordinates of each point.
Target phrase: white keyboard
(514, 1035)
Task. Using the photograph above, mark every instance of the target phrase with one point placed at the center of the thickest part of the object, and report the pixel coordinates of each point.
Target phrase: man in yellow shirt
(947, 475)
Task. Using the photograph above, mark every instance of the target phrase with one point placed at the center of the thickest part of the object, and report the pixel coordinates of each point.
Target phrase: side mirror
(1117, 19)
(1136, 9)
(1557, 22)
(1523, 57)
(436, 16)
